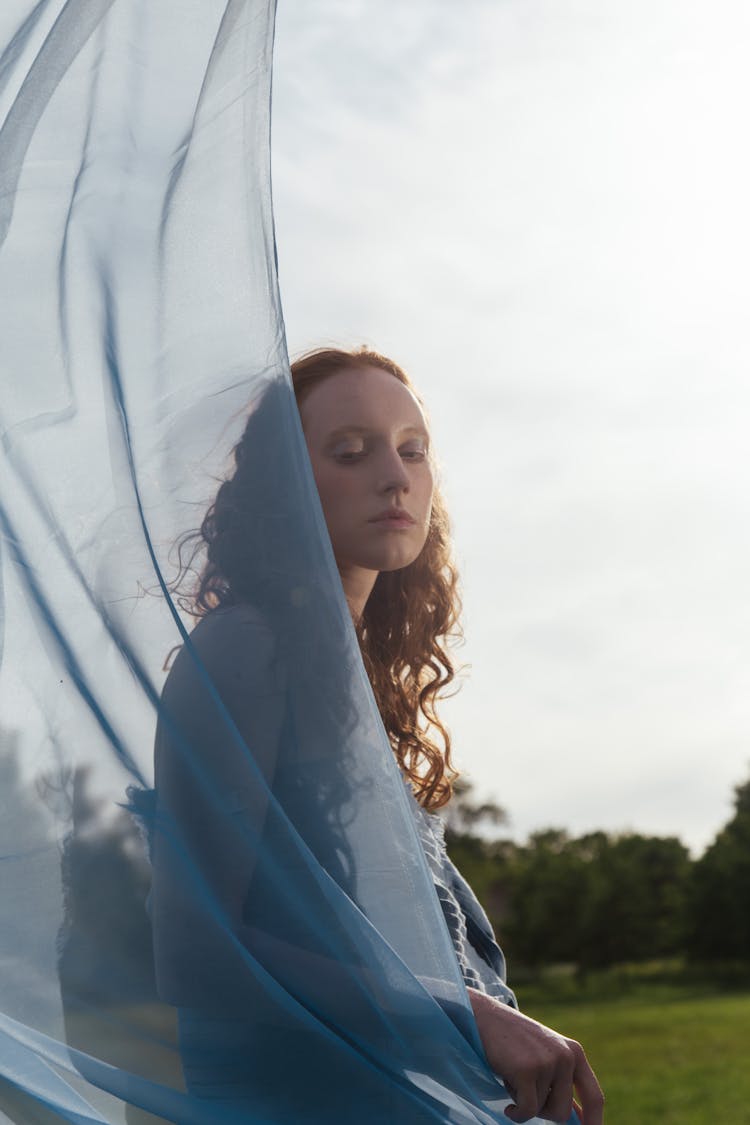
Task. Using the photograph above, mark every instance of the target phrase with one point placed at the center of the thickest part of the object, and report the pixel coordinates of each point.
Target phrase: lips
(397, 514)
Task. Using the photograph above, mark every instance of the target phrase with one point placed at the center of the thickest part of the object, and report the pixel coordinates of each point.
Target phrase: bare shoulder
(242, 618)
(238, 648)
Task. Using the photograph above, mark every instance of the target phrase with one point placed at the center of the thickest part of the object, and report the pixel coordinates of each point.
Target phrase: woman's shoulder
(240, 617)
(236, 645)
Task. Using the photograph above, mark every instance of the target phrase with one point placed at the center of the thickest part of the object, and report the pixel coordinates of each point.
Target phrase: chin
(395, 555)
(394, 561)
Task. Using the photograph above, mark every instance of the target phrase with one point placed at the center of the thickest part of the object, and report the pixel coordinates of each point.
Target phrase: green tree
(592, 901)
(105, 950)
(597, 900)
(548, 884)
(635, 902)
(719, 924)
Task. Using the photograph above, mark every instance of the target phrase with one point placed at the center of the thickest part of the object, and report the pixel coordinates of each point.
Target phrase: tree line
(604, 898)
(592, 901)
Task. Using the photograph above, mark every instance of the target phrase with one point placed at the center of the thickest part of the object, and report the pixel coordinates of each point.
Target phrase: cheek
(335, 492)
(428, 489)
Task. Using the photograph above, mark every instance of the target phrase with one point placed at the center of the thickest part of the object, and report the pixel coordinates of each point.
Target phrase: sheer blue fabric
(215, 903)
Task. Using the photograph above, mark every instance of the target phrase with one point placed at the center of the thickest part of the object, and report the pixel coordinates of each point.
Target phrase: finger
(526, 1100)
(576, 1115)
(588, 1089)
(559, 1103)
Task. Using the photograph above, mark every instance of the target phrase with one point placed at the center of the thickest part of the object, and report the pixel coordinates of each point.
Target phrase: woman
(368, 442)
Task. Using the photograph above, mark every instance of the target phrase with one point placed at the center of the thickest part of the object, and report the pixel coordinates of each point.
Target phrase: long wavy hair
(410, 616)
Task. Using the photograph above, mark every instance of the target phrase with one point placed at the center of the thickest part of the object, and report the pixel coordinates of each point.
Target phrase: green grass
(669, 1046)
(665, 1053)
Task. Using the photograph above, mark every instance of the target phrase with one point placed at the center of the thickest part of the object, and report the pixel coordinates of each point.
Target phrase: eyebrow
(342, 430)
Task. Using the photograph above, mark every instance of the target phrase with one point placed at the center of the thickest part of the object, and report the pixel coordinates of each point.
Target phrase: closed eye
(351, 457)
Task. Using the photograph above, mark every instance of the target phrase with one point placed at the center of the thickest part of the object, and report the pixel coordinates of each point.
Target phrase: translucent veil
(265, 893)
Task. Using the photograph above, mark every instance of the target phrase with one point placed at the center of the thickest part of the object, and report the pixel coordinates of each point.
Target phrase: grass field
(668, 1048)
(667, 1055)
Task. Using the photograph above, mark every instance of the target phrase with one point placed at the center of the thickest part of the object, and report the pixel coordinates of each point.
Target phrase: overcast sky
(539, 208)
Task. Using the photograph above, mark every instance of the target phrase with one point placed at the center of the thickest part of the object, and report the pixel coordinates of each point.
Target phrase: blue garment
(479, 956)
(258, 703)
(238, 648)
(227, 1057)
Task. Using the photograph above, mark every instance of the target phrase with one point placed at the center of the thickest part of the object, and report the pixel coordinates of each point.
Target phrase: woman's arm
(541, 1069)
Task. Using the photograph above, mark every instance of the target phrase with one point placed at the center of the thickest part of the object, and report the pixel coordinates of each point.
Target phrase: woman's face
(369, 447)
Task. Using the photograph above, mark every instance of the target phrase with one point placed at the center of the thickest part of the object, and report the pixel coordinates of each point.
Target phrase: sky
(538, 208)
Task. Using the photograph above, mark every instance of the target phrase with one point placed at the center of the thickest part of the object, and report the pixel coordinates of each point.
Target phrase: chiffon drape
(250, 933)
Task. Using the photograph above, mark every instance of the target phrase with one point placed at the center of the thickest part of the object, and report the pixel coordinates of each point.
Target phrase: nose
(394, 475)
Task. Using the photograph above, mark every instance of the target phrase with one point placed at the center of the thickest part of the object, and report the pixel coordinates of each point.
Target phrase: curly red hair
(409, 616)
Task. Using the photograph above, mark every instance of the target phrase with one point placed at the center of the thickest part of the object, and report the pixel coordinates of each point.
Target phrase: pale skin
(369, 446)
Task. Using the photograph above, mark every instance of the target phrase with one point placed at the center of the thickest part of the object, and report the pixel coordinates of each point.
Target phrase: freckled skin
(360, 474)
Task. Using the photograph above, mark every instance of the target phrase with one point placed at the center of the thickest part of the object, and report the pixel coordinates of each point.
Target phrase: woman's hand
(540, 1068)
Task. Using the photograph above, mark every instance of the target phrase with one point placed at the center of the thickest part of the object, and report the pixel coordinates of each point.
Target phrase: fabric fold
(216, 905)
